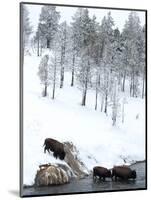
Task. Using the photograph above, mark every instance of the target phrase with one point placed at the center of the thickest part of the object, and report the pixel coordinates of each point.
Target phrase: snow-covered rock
(51, 175)
(73, 160)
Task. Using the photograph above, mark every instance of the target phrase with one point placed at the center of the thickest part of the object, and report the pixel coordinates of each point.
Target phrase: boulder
(49, 174)
(74, 162)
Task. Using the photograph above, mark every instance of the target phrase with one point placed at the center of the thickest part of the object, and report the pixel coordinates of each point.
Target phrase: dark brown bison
(123, 172)
(56, 147)
(101, 172)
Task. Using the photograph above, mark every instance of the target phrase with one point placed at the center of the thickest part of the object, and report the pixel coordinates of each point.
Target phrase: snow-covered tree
(73, 52)
(43, 73)
(107, 56)
(48, 23)
(131, 36)
(142, 54)
(39, 39)
(27, 28)
(26, 31)
(96, 47)
(86, 37)
(53, 71)
(116, 101)
(76, 41)
(62, 37)
(54, 64)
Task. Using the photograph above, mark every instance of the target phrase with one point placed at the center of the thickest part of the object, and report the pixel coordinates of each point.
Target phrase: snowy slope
(98, 142)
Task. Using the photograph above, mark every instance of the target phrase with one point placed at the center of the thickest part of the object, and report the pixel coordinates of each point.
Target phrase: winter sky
(119, 16)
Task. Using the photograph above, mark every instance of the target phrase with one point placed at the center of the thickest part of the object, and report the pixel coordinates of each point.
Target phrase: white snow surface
(64, 119)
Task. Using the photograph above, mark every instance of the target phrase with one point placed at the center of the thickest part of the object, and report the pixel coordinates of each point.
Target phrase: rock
(73, 160)
(58, 173)
(51, 175)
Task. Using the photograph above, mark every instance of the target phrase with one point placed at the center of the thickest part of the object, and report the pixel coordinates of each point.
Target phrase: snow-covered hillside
(64, 119)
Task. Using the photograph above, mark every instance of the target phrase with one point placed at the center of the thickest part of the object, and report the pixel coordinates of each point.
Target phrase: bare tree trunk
(102, 103)
(123, 84)
(62, 66)
(96, 94)
(86, 86)
(73, 63)
(84, 97)
(54, 79)
(96, 98)
(106, 93)
(62, 77)
(45, 91)
(40, 50)
(106, 99)
(72, 79)
(48, 43)
(133, 85)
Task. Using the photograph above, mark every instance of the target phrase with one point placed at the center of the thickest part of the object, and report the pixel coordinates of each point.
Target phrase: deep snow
(98, 142)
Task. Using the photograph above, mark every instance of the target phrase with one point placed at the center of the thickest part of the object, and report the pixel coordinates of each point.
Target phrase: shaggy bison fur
(56, 147)
(101, 172)
(123, 172)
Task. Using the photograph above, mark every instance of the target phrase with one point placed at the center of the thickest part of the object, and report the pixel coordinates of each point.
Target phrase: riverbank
(86, 185)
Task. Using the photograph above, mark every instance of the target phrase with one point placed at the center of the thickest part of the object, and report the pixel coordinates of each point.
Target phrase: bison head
(133, 175)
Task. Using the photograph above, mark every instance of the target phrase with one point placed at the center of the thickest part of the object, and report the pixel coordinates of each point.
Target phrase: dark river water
(88, 185)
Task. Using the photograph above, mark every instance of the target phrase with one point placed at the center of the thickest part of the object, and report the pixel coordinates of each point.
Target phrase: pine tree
(96, 56)
(62, 36)
(26, 31)
(54, 64)
(86, 37)
(27, 28)
(53, 71)
(142, 53)
(49, 19)
(107, 56)
(131, 36)
(40, 39)
(44, 73)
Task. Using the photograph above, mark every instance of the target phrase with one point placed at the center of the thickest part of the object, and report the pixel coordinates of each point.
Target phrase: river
(88, 185)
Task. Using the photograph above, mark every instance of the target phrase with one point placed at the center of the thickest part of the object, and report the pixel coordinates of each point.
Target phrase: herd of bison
(122, 172)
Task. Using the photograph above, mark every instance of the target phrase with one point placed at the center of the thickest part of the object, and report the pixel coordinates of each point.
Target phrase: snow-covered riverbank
(64, 119)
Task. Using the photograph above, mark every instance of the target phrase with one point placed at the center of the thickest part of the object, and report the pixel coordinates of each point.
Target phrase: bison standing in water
(101, 172)
(56, 147)
(123, 172)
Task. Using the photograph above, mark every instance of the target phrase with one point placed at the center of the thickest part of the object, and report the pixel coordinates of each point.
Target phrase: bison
(101, 172)
(123, 172)
(56, 147)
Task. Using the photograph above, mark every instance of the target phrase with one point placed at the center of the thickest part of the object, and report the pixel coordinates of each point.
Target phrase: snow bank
(64, 119)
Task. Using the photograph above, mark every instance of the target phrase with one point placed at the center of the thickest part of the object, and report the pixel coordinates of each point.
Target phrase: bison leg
(45, 149)
(113, 174)
(62, 155)
(55, 155)
(94, 178)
